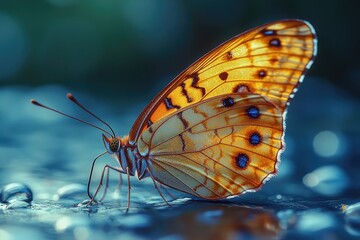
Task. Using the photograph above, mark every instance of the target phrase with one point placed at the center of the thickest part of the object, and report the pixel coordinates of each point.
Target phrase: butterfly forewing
(269, 60)
(216, 148)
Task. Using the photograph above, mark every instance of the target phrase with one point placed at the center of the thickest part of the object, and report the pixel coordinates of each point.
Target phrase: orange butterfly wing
(269, 60)
(216, 148)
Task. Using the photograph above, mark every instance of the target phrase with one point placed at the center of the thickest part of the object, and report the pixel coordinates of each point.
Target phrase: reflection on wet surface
(265, 217)
(46, 160)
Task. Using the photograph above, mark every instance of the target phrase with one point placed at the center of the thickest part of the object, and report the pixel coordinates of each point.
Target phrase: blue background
(115, 56)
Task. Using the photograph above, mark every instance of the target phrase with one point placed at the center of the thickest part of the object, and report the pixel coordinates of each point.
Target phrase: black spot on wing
(185, 93)
(253, 112)
(223, 76)
(195, 81)
(275, 42)
(268, 32)
(182, 141)
(255, 138)
(169, 104)
(228, 102)
(229, 55)
(183, 120)
(242, 160)
(149, 123)
(262, 73)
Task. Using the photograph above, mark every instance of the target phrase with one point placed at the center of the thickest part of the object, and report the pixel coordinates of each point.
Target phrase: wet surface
(45, 161)
(187, 219)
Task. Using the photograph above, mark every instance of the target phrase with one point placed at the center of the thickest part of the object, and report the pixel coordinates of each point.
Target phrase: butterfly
(217, 130)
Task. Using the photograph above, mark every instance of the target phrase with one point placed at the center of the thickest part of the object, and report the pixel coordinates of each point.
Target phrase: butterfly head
(112, 144)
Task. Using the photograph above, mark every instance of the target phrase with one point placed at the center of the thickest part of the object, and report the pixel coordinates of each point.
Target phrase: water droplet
(16, 192)
(327, 180)
(71, 191)
(87, 206)
(352, 217)
(17, 204)
(84, 203)
(352, 213)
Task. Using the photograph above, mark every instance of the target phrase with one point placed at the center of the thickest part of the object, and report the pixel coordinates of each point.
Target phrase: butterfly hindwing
(269, 60)
(216, 148)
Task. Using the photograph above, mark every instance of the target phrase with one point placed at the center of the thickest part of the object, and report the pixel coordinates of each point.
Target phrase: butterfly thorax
(127, 155)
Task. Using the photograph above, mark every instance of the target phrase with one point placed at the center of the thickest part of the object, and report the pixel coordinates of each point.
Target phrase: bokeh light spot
(326, 144)
(327, 180)
(4, 235)
(62, 224)
(313, 221)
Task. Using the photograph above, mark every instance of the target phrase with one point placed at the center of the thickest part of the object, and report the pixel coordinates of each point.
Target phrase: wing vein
(186, 173)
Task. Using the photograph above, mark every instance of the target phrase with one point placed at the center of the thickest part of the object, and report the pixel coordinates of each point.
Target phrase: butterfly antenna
(67, 115)
(74, 100)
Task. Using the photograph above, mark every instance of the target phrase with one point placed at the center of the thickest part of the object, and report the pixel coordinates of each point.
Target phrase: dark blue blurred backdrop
(131, 49)
(115, 56)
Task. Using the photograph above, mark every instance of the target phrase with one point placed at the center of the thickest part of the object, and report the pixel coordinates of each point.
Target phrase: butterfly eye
(112, 144)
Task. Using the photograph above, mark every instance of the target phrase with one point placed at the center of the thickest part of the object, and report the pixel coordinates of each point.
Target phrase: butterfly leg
(92, 197)
(90, 176)
(129, 188)
(166, 191)
(157, 188)
(106, 168)
(106, 185)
